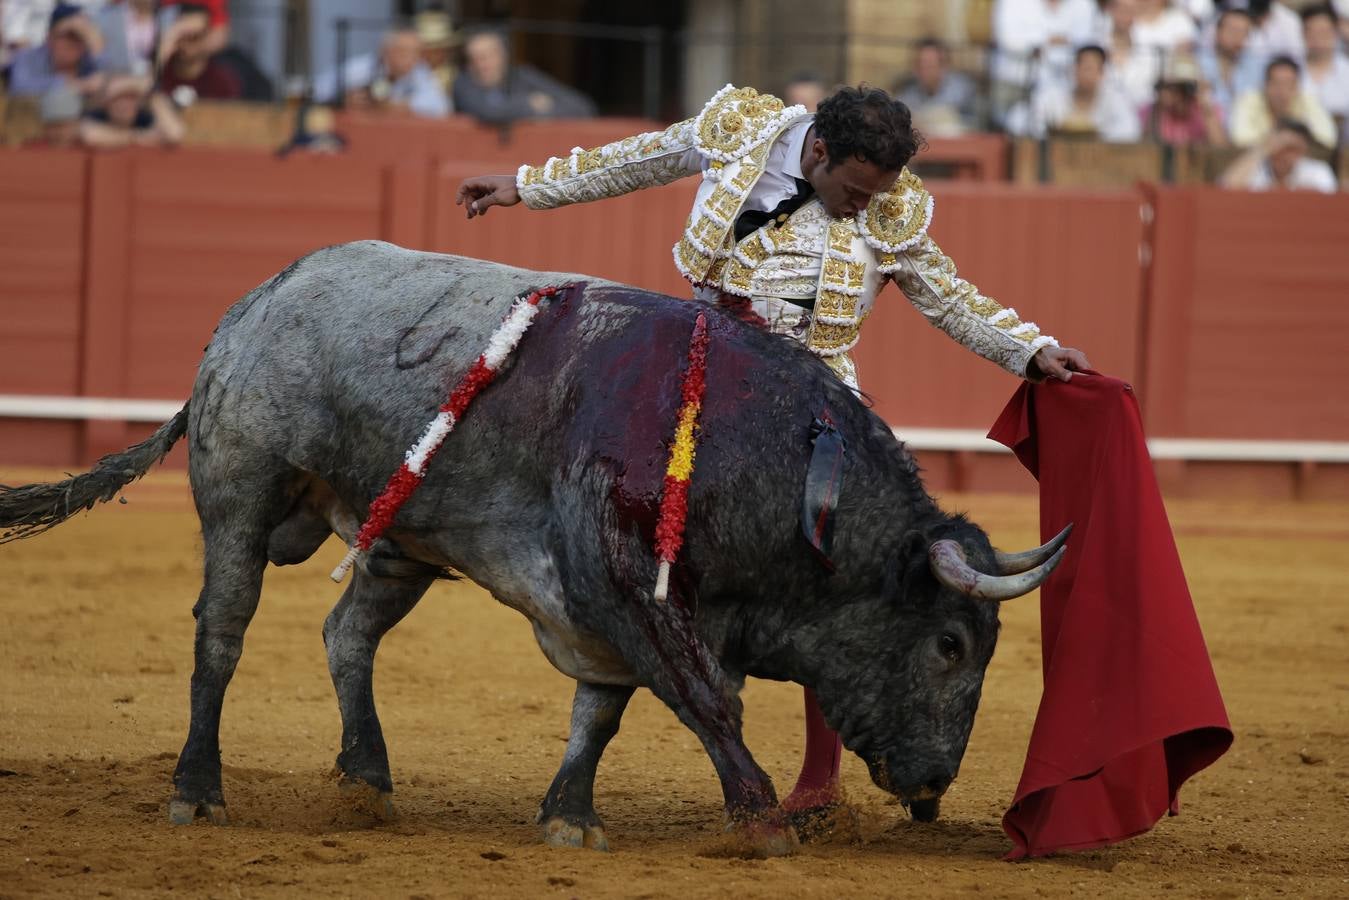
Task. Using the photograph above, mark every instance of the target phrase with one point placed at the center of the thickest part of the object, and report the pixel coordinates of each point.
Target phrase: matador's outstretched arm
(642, 161)
(730, 126)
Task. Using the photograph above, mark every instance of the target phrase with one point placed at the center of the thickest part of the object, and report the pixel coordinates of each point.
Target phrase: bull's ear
(910, 569)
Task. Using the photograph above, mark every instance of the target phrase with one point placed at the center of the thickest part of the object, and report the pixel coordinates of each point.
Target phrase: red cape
(1130, 708)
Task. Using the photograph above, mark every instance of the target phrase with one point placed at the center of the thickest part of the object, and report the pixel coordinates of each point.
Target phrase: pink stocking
(818, 783)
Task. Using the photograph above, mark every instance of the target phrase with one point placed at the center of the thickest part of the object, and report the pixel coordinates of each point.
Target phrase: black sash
(753, 219)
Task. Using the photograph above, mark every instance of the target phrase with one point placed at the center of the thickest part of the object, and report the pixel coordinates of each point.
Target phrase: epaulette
(896, 220)
(736, 119)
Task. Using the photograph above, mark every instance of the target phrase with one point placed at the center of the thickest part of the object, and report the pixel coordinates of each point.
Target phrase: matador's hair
(869, 124)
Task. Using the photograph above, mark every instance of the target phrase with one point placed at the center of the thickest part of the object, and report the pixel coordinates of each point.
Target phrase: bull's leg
(369, 607)
(567, 813)
(686, 676)
(235, 556)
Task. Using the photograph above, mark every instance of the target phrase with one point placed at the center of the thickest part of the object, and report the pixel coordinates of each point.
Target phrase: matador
(799, 221)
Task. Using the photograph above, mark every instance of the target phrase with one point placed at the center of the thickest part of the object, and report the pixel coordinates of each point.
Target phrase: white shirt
(1169, 30)
(1333, 90)
(1280, 36)
(781, 169)
(777, 183)
(1136, 74)
(1307, 175)
(1115, 118)
(1199, 10)
(1021, 27)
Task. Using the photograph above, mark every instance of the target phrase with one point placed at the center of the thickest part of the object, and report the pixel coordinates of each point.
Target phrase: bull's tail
(33, 508)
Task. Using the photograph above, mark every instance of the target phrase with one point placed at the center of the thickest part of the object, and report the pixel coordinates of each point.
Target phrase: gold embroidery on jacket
(897, 219)
(734, 120)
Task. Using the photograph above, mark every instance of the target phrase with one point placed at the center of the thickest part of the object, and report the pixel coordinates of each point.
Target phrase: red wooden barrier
(42, 246)
(1068, 261)
(1249, 315)
(116, 268)
(626, 239)
(124, 307)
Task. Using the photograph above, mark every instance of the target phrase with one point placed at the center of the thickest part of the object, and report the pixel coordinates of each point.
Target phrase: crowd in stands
(1217, 73)
(1250, 74)
(113, 72)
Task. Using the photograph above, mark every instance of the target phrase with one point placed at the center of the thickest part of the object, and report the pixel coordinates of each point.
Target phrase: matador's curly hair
(870, 124)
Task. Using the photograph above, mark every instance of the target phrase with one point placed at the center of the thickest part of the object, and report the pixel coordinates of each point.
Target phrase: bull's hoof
(925, 810)
(185, 812)
(826, 824)
(757, 839)
(368, 800)
(558, 832)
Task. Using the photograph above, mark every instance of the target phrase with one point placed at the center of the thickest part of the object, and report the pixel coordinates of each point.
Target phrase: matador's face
(847, 188)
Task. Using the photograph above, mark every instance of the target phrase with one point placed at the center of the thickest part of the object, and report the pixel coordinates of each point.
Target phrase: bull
(546, 495)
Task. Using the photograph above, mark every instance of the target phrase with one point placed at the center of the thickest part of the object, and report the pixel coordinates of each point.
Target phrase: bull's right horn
(1016, 563)
(947, 560)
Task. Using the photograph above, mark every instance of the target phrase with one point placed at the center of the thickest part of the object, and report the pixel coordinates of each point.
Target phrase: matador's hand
(1059, 362)
(486, 191)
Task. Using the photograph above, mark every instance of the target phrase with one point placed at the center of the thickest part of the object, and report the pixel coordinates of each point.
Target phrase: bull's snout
(931, 788)
(924, 800)
(900, 781)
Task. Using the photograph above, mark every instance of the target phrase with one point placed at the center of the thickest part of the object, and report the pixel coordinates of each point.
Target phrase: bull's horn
(947, 560)
(1016, 563)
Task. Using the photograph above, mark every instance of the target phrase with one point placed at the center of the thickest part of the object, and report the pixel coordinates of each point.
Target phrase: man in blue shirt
(65, 59)
(397, 78)
(1229, 66)
(944, 102)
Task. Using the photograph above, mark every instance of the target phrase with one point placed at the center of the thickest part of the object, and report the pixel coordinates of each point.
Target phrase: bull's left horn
(947, 560)
(1016, 563)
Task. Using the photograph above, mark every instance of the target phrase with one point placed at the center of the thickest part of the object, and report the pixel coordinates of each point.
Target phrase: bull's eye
(950, 647)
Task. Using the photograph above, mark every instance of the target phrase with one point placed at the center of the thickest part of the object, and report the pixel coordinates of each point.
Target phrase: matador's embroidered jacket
(813, 277)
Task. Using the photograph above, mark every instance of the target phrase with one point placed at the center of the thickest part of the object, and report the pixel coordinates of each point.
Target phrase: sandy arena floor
(96, 651)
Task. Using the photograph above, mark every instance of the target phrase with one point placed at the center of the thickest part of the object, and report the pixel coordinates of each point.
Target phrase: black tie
(752, 219)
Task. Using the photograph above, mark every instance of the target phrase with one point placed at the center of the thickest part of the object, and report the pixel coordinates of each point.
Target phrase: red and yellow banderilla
(675, 492)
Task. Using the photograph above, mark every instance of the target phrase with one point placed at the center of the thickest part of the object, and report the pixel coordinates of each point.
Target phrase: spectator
(397, 80)
(1199, 10)
(254, 85)
(193, 72)
(1281, 98)
(128, 29)
(943, 102)
(1280, 162)
(59, 113)
(1327, 72)
(495, 91)
(1162, 27)
(806, 89)
(436, 32)
(1229, 66)
(1133, 68)
(1093, 105)
(24, 23)
(1034, 40)
(131, 116)
(1276, 29)
(1184, 113)
(217, 29)
(65, 58)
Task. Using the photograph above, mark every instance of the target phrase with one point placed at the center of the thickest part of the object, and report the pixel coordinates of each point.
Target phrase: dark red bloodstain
(622, 416)
(631, 384)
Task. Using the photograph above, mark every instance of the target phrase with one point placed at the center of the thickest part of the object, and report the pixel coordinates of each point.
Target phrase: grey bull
(316, 382)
